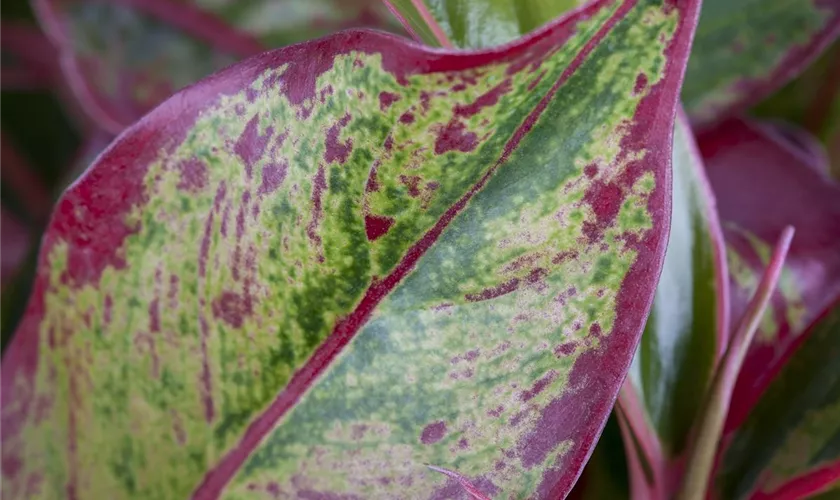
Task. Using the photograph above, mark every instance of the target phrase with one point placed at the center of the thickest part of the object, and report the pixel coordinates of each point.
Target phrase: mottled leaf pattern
(325, 267)
(744, 50)
(123, 58)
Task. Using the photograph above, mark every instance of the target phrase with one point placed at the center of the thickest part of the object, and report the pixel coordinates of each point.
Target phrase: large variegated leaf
(744, 50)
(791, 191)
(319, 270)
(123, 58)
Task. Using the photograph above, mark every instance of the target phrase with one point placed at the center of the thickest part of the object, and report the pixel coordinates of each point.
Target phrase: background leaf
(793, 190)
(789, 447)
(296, 275)
(123, 58)
(754, 213)
(687, 328)
(475, 23)
(812, 101)
(744, 50)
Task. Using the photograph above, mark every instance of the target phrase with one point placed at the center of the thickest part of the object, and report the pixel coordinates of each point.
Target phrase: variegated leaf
(123, 58)
(475, 23)
(763, 181)
(789, 446)
(744, 50)
(320, 269)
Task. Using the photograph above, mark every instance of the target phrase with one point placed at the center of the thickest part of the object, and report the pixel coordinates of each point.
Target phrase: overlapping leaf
(788, 447)
(744, 50)
(475, 23)
(812, 101)
(323, 268)
(123, 58)
(686, 330)
(791, 191)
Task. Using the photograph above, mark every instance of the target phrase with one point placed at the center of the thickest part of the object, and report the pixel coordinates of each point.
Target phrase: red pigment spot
(522, 262)
(407, 117)
(240, 217)
(595, 330)
(337, 150)
(463, 443)
(496, 412)
(455, 137)
(208, 227)
(324, 93)
(590, 170)
(493, 292)
(377, 226)
(425, 97)
(358, 431)
(471, 355)
(433, 432)
(507, 287)
(490, 98)
(154, 315)
(459, 87)
(273, 176)
(224, 223)
(412, 182)
(231, 308)
(641, 83)
(605, 200)
(251, 145)
(319, 183)
(564, 349)
(389, 143)
(10, 466)
(106, 312)
(386, 99)
(281, 139)
(539, 386)
(372, 185)
(193, 175)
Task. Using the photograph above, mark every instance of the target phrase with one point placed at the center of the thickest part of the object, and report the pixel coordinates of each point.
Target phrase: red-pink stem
(709, 430)
(643, 446)
(403, 21)
(432, 23)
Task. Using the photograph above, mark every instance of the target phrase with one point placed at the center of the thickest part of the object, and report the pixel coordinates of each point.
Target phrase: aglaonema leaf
(788, 447)
(744, 50)
(687, 328)
(322, 269)
(123, 58)
(475, 23)
(812, 101)
(791, 191)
